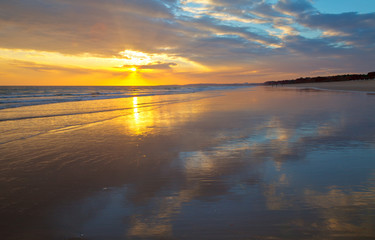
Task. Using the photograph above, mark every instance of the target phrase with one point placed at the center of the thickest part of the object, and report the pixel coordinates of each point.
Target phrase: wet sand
(358, 85)
(256, 163)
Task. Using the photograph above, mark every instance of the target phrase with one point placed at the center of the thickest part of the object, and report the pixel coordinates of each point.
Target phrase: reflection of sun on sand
(151, 114)
(358, 85)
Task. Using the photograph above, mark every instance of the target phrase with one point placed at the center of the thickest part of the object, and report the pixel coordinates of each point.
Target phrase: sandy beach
(187, 120)
(252, 163)
(359, 85)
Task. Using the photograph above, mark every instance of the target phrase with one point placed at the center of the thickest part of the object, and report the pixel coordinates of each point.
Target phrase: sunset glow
(187, 119)
(182, 42)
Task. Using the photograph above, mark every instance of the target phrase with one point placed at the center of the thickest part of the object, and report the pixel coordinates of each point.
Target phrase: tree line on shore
(346, 77)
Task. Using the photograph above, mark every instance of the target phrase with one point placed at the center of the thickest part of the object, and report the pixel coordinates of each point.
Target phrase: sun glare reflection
(145, 117)
(142, 122)
(135, 103)
(135, 110)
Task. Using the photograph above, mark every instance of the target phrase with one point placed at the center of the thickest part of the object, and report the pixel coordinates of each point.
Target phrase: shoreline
(159, 166)
(367, 86)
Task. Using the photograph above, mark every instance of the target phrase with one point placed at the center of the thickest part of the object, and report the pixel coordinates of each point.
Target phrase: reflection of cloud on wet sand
(191, 157)
(156, 228)
(223, 161)
(338, 211)
(232, 156)
(158, 222)
(342, 211)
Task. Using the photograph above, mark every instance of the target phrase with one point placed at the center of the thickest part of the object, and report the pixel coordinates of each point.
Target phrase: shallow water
(256, 163)
(18, 96)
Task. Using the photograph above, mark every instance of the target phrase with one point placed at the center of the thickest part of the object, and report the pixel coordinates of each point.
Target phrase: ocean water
(18, 96)
(239, 163)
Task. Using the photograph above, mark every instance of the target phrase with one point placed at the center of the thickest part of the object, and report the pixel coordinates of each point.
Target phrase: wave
(13, 97)
(8, 136)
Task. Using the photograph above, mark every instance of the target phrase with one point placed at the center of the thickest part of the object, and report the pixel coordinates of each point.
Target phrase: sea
(19, 96)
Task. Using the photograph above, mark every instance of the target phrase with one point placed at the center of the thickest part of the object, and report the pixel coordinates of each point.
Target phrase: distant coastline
(319, 79)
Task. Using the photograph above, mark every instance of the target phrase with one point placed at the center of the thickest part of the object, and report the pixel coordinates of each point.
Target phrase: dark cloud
(158, 65)
(61, 69)
(295, 7)
(352, 27)
(243, 3)
(246, 32)
(264, 9)
(225, 33)
(313, 47)
(85, 26)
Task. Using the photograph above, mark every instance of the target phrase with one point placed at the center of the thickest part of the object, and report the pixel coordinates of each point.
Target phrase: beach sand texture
(255, 163)
(359, 85)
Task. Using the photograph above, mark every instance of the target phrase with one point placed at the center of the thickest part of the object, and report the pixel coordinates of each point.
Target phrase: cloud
(158, 65)
(295, 7)
(48, 68)
(85, 26)
(216, 33)
(357, 29)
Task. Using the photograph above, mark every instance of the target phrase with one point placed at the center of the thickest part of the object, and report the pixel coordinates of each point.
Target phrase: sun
(133, 69)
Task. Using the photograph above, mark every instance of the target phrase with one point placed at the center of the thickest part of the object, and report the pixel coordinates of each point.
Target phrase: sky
(168, 42)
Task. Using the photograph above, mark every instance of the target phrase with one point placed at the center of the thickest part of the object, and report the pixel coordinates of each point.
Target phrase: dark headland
(319, 79)
(347, 82)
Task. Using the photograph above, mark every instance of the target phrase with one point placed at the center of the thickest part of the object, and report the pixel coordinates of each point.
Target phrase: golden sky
(161, 42)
